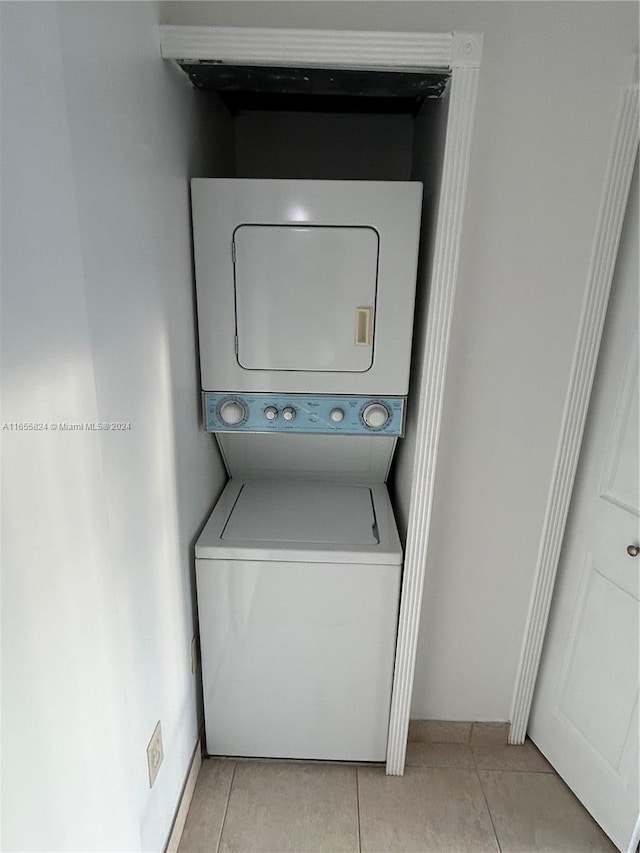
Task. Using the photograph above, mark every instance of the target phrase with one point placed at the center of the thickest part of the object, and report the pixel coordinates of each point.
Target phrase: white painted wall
(97, 325)
(550, 85)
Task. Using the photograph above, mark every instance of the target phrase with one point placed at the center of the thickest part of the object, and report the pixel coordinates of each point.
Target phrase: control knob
(336, 415)
(375, 415)
(289, 413)
(232, 412)
(271, 413)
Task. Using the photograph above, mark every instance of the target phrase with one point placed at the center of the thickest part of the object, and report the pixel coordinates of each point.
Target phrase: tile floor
(454, 798)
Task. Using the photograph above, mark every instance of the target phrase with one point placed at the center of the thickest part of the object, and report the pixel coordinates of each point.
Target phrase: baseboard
(454, 731)
(185, 800)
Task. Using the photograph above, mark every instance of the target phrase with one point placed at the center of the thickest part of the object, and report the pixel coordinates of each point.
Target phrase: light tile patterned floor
(454, 798)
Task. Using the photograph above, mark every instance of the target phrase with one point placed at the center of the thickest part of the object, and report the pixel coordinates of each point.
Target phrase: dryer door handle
(364, 326)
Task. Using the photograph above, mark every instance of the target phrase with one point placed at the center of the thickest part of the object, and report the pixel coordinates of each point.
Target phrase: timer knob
(271, 413)
(375, 415)
(232, 412)
(289, 413)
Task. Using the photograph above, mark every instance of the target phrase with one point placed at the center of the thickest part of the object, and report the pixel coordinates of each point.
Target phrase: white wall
(550, 86)
(98, 325)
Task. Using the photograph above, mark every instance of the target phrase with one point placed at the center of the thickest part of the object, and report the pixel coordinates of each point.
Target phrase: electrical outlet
(155, 754)
(194, 654)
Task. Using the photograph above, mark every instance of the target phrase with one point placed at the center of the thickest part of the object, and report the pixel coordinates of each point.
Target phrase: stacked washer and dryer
(305, 293)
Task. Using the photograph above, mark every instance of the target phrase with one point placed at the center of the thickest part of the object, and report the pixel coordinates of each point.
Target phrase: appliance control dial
(375, 415)
(336, 415)
(289, 413)
(271, 413)
(233, 412)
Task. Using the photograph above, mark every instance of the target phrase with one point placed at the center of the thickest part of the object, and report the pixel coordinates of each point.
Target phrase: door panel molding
(626, 407)
(605, 735)
(612, 210)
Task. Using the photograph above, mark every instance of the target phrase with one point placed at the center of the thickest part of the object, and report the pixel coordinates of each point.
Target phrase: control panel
(304, 413)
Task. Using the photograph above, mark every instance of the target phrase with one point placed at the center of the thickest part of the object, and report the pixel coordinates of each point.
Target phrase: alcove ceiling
(253, 87)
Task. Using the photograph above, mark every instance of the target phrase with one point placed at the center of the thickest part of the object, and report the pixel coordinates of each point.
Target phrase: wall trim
(635, 838)
(460, 52)
(463, 92)
(323, 48)
(180, 819)
(607, 237)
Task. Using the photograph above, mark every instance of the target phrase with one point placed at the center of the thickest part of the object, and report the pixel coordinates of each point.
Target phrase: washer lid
(304, 513)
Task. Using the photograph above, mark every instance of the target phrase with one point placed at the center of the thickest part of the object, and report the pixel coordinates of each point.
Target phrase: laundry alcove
(371, 106)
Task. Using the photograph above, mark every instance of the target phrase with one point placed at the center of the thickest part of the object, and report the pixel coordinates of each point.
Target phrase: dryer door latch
(364, 326)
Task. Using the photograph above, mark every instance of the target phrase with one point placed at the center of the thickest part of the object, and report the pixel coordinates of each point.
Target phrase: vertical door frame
(457, 151)
(460, 53)
(607, 237)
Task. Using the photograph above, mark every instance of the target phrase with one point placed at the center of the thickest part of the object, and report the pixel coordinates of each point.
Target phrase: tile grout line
(551, 772)
(226, 807)
(484, 795)
(358, 808)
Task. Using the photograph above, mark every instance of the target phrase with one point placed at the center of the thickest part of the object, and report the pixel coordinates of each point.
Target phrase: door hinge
(233, 251)
(235, 344)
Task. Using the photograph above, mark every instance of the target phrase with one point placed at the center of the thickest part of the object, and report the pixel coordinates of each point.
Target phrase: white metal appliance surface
(355, 459)
(298, 591)
(305, 286)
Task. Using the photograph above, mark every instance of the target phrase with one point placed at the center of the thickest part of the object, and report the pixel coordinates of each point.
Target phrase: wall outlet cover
(155, 754)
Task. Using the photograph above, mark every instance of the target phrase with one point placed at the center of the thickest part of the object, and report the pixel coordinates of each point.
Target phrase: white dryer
(298, 592)
(305, 287)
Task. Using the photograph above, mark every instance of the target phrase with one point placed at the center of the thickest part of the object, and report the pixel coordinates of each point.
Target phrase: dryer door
(305, 297)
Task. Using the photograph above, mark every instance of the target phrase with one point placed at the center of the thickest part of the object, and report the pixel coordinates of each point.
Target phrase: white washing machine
(305, 306)
(298, 591)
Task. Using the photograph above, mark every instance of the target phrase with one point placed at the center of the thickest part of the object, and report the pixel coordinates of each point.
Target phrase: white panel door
(585, 711)
(305, 297)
